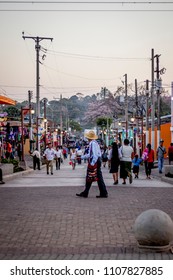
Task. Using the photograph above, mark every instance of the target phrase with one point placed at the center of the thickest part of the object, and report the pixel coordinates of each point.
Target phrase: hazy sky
(90, 49)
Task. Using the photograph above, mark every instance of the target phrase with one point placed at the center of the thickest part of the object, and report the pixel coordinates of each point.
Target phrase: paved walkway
(41, 218)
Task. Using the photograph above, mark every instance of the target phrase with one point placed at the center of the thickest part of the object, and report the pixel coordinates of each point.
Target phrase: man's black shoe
(81, 194)
(102, 196)
(2, 182)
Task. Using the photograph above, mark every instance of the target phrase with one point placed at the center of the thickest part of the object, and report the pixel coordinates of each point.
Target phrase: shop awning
(6, 100)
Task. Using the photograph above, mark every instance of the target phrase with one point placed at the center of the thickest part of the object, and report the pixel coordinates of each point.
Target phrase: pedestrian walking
(19, 150)
(59, 158)
(125, 153)
(36, 159)
(49, 155)
(73, 158)
(79, 154)
(65, 152)
(104, 156)
(170, 153)
(1, 177)
(109, 160)
(9, 150)
(149, 161)
(94, 172)
(113, 158)
(136, 162)
(161, 151)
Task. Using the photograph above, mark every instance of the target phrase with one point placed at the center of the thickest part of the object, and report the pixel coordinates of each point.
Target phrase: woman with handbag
(94, 167)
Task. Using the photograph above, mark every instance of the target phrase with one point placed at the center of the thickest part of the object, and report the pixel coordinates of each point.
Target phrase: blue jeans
(160, 163)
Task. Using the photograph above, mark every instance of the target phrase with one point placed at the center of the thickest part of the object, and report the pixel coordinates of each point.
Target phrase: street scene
(41, 217)
(86, 130)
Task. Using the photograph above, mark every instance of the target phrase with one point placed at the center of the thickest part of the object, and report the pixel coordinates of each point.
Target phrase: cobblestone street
(41, 217)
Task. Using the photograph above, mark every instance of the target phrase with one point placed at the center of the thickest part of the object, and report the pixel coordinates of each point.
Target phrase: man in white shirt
(49, 154)
(94, 161)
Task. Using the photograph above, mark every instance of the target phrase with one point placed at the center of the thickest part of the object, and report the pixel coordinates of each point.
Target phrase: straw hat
(91, 135)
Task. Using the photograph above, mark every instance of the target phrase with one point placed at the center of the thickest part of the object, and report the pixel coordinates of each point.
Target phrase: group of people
(121, 162)
(122, 158)
(49, 155)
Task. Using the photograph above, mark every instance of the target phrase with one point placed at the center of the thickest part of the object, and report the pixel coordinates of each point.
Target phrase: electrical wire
(122, 3)
(97, 57)
(73, 10)
(88, 2)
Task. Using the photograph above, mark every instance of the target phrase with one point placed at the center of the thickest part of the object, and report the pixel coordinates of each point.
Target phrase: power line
(94, 10)
(97, 57)
(88, 2)
(122, 3)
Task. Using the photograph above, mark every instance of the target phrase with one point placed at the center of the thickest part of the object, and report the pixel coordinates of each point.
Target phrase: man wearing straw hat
(94, 167)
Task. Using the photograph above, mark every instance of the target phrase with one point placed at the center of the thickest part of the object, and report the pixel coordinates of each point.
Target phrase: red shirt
(151, 156)
(170, 150)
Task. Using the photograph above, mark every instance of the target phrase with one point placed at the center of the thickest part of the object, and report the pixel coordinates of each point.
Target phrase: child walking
(136, 162)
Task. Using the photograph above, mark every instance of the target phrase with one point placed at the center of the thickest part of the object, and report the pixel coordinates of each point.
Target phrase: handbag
(91, 173)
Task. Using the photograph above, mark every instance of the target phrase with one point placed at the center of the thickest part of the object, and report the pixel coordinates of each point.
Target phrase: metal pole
(126, 106)
(61, 119)
(147, 113)
(142, 132)
(37, 48)
(45, 123)
(22, 134)
(136, 139)
(171, 113)
(30, 117)
(152, 102)
(158, 99)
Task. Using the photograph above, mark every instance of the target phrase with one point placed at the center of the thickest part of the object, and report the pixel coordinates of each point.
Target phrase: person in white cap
(161, 150)
(94, 167)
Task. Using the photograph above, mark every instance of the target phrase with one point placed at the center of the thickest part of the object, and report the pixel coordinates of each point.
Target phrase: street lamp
(23, 112)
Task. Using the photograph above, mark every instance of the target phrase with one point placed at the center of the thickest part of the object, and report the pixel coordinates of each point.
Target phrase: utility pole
(30, 94)
(45, 122)
(171, 128)
(147, 111)
(152, 102)
(61, 125)
(136, 117)
(37, 48)
(126, 106)
(158, 84)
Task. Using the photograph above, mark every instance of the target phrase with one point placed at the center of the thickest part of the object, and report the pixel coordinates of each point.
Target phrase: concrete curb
(167, 180)
(19, 174)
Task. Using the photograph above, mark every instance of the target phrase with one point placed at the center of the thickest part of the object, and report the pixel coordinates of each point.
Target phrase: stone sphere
(153, 228)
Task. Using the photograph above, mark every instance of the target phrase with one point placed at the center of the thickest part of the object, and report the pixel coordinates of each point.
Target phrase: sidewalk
(41, 217)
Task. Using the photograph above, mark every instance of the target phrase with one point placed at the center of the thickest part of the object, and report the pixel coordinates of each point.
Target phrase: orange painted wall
(165, 134)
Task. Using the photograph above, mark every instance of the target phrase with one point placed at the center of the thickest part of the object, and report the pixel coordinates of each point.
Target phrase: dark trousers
(148, 167)
(1, 175)
(100, 182)
(58, 163)
(36, 162)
